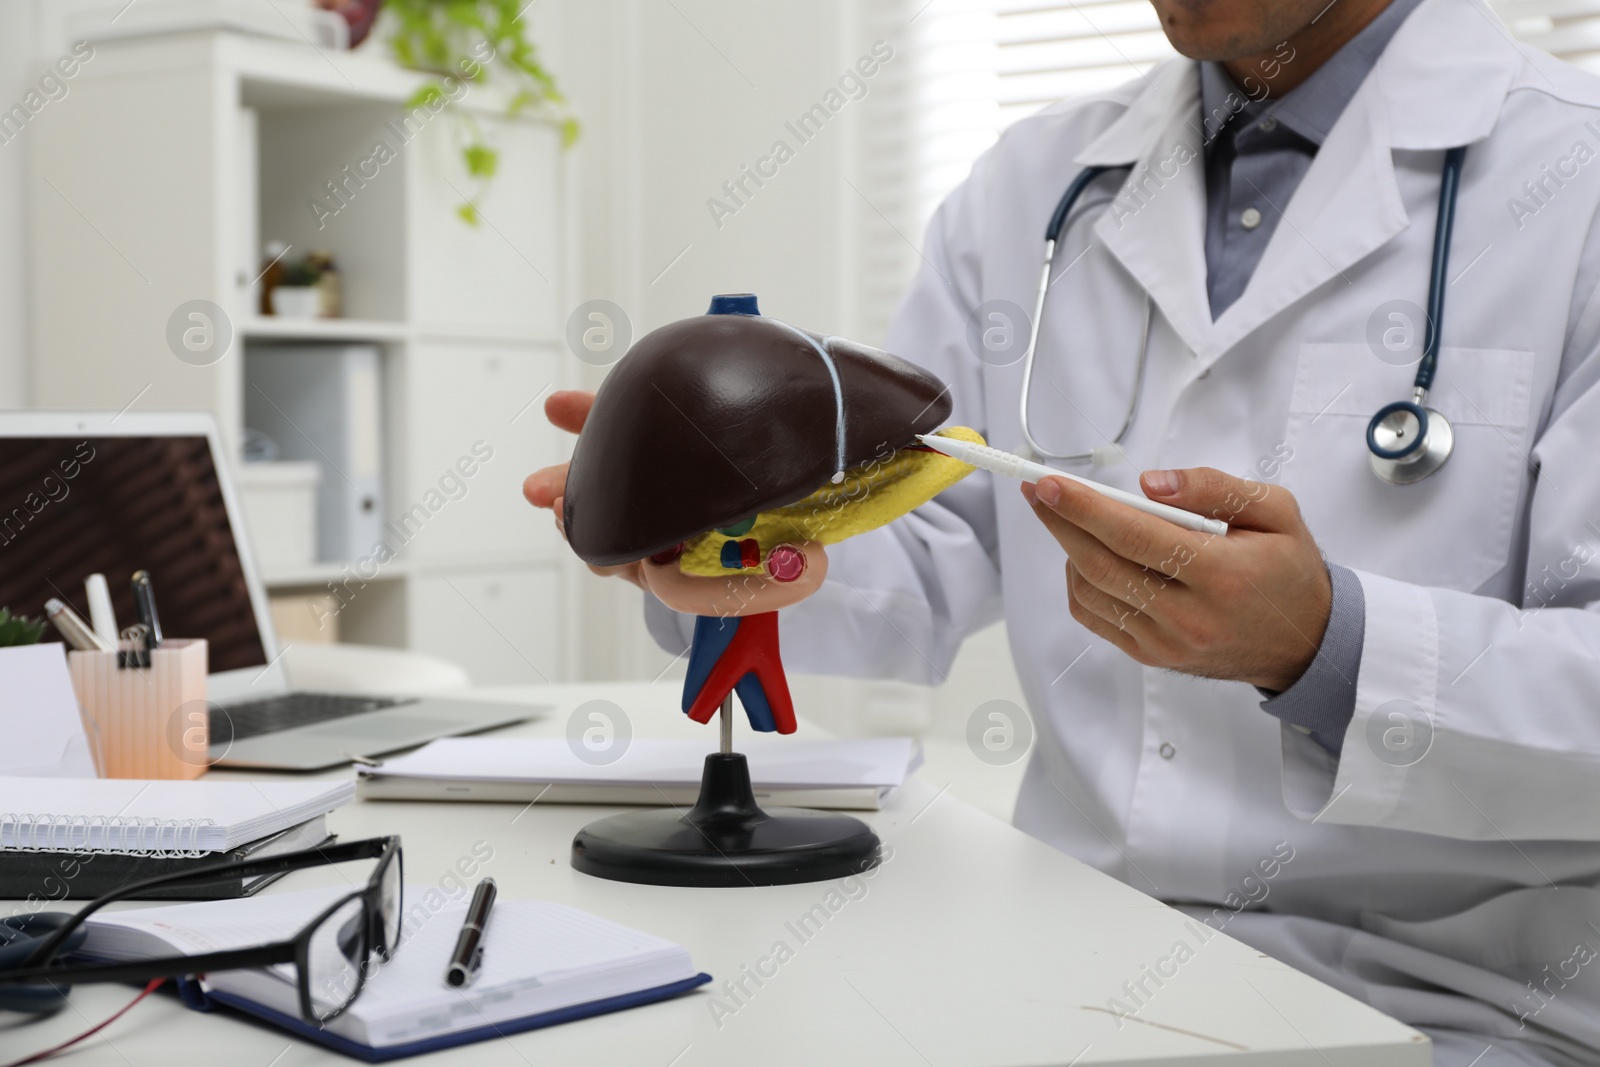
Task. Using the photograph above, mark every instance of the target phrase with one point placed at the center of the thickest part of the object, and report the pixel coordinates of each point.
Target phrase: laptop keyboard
(285, 711)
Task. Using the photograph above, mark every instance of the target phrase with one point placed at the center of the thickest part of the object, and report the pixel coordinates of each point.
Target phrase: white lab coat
(1180, 785)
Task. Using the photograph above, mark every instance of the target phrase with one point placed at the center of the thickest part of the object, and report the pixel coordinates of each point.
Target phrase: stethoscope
(1407, 441)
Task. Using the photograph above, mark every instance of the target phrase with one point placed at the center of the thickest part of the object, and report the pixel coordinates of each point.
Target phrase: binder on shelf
(322, 403)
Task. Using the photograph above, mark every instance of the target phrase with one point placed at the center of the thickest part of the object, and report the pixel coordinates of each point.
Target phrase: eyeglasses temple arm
(292, 861)
(161, 967)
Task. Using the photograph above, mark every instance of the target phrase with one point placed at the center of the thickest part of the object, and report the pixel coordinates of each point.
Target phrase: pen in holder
(146, 707)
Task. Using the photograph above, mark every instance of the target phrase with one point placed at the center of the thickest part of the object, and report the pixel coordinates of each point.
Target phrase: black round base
(726, 839)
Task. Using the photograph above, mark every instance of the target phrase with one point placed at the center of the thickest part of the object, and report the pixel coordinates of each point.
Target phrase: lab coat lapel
(1156, 225)
(1347, 206)
(1419, 97)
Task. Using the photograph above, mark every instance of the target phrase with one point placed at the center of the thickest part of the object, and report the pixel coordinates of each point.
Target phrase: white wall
(19, 67)
(32, 37)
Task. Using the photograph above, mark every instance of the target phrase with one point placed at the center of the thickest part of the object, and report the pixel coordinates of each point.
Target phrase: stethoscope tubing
(1449, 186)
(1427, 367)
(1059, 221)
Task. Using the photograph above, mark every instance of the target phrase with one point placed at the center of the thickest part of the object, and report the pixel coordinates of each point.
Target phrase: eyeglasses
(332, 955)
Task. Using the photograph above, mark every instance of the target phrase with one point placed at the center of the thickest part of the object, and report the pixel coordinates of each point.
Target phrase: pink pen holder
(145, 721)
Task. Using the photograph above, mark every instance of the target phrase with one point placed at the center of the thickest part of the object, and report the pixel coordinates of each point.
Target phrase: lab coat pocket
(1454, 530)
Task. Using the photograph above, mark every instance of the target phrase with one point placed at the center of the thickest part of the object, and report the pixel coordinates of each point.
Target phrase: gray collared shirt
(1257, 150)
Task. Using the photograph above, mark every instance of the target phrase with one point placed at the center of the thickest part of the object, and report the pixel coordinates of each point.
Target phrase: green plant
(462, 40)
(301, 272)
(19, 629)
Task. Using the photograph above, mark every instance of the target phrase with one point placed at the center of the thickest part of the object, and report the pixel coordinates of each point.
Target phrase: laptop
(114, 493)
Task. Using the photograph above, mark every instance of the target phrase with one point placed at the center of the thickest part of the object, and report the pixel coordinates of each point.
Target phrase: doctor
(1394, 686)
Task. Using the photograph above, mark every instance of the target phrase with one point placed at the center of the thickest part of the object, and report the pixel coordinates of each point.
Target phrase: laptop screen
(72, 506)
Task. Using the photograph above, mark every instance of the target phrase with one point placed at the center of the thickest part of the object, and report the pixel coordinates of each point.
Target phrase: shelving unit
(266, 328)
(316, 576)
(468, 319)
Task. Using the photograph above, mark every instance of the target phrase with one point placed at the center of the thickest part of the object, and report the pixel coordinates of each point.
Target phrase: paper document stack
(847, 773)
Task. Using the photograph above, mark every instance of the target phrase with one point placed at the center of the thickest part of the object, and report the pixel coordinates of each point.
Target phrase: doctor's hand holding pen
(1250, 607)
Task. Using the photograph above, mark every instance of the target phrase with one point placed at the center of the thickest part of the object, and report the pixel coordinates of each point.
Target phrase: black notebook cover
(31, 875)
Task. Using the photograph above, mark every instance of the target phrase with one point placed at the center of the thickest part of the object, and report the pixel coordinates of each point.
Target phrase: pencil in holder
(145, 721)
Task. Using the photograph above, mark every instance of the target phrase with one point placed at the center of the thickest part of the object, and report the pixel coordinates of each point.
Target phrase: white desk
(973, 944)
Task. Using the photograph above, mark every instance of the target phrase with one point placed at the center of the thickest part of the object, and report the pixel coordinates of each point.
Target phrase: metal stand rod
(727, 724)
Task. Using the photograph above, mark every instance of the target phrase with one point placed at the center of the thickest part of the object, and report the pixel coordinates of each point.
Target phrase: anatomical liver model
(726, 451)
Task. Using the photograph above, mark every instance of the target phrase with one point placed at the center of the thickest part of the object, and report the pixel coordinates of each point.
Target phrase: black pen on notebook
(144, 601)
(468, 954)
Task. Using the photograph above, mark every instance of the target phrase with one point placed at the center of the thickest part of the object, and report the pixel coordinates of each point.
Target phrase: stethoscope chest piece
(1408, 442)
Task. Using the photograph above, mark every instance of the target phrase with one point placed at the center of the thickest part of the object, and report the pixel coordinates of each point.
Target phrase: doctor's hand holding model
(1378, 697)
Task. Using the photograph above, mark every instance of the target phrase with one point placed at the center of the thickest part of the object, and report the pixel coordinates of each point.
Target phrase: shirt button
(1167, 751)
(1268, 124)
(1250, 218)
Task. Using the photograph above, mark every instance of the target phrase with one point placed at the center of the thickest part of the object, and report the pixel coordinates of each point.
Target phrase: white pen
(101, 614)
(1012, 466)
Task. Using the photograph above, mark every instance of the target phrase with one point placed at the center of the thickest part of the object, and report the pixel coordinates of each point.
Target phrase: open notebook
(845, 773)
(543, 963)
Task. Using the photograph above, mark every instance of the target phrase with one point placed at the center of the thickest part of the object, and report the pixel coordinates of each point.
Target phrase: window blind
(983, 64)
(1569, 29)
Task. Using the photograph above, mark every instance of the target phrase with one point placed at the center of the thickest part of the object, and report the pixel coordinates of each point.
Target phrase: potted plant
(297, 295)
(19, 629)
(467, 40)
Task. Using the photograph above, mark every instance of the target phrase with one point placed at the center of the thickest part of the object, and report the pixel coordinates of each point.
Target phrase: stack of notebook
(543, 963)
(77, 838)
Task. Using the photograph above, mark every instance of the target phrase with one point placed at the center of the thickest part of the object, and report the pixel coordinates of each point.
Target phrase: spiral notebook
(543, 963)
(85, 875)
(159, 818)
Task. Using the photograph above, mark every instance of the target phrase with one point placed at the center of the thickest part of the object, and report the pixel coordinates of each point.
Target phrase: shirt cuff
(1322, 701)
